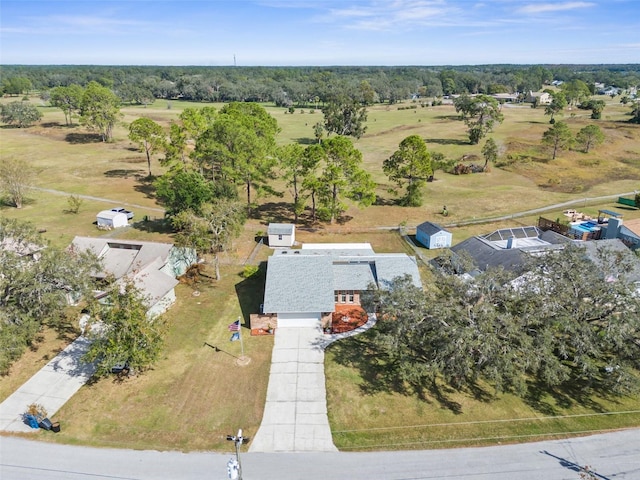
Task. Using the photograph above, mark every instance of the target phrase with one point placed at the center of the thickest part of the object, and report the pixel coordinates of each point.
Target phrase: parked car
(129, 213)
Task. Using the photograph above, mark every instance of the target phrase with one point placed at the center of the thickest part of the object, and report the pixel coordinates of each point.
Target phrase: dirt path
(99, 199)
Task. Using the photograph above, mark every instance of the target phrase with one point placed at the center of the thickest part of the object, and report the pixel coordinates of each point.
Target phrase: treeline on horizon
(306, 86)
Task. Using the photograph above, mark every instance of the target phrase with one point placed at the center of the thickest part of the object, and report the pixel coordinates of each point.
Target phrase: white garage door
(298, 320)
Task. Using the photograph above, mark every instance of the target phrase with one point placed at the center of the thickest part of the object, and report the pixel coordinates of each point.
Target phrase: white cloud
(534, 8)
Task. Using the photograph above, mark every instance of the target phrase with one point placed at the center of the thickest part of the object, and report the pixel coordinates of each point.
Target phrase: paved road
(611, 456)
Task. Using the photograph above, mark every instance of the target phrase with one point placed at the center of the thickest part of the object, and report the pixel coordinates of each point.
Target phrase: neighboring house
(508, 247)
(432, 235)
(304, 286)
(152, 267)
(281, 234)
(506, 97)
(629, 232)
(111, 219)
(541, 98)
(21, 249)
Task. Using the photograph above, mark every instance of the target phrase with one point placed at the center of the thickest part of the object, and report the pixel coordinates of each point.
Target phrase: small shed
(281, 234)
(111, 219)
(432, 235)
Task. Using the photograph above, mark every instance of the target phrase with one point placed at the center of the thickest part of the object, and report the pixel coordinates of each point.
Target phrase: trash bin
(45, 423)
(55, 427)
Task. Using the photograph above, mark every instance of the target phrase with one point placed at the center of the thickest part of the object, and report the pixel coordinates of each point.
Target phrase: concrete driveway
(51, 387)
(295, 413)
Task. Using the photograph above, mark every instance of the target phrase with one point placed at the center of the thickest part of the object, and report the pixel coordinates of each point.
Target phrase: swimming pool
(588, 226)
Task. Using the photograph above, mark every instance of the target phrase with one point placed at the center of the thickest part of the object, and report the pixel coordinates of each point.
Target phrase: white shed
(281, 234)
(432, 235)
(111, 219)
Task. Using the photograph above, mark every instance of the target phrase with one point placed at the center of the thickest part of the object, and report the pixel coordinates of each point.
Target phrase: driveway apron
(295, 414)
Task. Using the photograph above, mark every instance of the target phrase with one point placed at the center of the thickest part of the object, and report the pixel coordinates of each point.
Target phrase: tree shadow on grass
(145, 185)
(382, 376)
(447, 141)
(152, 224)
(551, 401)
(123, 173)
(278, 212)
(83, 138)
(305, 140)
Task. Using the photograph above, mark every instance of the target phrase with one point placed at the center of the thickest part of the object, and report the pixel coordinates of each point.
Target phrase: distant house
(305, 286)
(432, 235)
(281, 234)
(111, 219)
(540, 98)
(152, 267)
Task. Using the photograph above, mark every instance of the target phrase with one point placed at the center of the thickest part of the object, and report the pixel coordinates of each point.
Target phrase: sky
(318, 32)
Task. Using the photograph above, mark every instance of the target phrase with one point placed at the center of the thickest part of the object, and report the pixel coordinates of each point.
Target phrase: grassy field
(195, 395)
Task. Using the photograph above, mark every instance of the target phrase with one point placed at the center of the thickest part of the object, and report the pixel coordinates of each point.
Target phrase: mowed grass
(370, 412)
(195, 395)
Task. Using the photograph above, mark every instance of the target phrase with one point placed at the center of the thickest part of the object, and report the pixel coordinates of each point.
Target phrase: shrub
(250, 270)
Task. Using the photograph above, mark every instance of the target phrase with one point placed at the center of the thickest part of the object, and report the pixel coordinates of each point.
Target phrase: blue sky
(319, 32)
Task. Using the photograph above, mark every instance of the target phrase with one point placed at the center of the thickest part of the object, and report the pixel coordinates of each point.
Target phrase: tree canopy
(345, 116)
(480, 113)
(148, 135)
(590, 136)
(100, 109)
(558, 137)
(121, 331)
(549, 328)
(20, 114)
(410, 166)
(36, 282)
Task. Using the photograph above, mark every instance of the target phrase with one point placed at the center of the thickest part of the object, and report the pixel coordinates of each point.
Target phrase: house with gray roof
(151, 266)
(508, 247)
(303, 286)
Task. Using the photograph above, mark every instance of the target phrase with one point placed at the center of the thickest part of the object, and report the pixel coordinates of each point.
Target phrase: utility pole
(234, 467)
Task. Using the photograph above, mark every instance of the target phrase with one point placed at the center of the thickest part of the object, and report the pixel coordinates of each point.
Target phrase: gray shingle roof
(305, 280)
(430, 228)
(280, 229)
(301, 283)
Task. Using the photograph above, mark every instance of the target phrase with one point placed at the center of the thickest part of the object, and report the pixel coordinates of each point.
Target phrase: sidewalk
(51, 387)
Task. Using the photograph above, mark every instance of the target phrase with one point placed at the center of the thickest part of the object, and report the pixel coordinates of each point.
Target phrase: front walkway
(51, 387)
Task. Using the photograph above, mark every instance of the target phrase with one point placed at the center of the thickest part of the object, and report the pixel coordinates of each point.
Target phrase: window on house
(343, 297)
(336, 297)
(279, 237)
(351, 296)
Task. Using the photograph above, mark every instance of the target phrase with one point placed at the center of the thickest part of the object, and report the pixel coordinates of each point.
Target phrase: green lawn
(195, 395)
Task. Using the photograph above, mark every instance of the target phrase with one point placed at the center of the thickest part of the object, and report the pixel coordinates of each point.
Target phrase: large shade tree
(480, 113)
(345, 116)
(589, 136)
(409, 167)
(122, 332)
(238, 147)
(342, 177)
(36, 282)
(20, 114)
(100, 110)
(149, 136)
(68, 99)
(548, 329)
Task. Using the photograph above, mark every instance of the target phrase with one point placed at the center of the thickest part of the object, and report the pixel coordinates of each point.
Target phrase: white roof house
(302, 285)
(151, 266)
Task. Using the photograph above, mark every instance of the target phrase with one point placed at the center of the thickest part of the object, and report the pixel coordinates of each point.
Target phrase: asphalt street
(610, 456)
